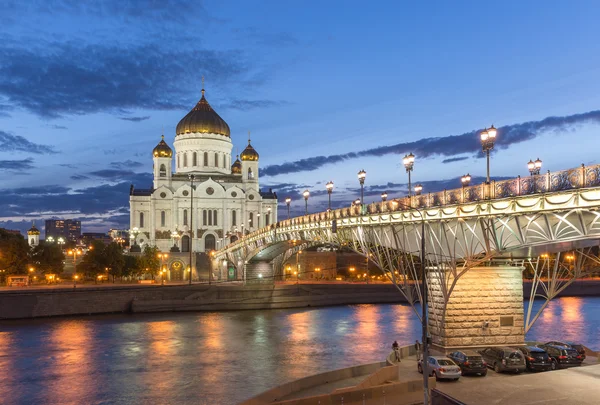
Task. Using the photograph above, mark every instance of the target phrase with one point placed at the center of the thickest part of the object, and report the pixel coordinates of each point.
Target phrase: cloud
(72, 78)
(112, 174)
(79, 177)
(455, 159)
(127, 164)
(450, 146)
(17, 143)
(247, 105)
(57, 127)
(135, 119)
(16, 166)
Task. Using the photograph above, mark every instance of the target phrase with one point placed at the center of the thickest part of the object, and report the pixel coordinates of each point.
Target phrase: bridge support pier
(259, 272)
(484, 309)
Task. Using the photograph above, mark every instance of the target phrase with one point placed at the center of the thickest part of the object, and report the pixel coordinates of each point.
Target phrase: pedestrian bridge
(517, 218)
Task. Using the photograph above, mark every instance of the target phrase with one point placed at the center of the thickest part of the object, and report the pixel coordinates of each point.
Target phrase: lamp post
(465, 180)
(362, 175)
(329, 187)
(61, 242)
(488, 138)
(306, 194)
(384, 196)
(162, 257)
(133, 233)
(74, 253)
(288, 201)
(534, 170)
(50, 239)
(418, 189)
(409, 161)
(175, 236)
(191, 177)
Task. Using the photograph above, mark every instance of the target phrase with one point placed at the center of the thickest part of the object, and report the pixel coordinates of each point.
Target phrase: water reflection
(218, 358)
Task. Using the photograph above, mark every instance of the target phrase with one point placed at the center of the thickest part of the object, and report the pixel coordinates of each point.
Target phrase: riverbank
(34, 302)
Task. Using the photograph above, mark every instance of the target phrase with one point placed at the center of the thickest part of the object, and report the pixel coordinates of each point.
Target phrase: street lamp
(50, 239)
(162, 256)
(409, 162)
(534, 167)
(329, 187)
(288, 201)
(74, 253)
(362, 175)
(465, 180)
(488, 137)
(61, 242)
(191, 177)
(306, 194)
(175, 235)
(384, 196)
(418, 189)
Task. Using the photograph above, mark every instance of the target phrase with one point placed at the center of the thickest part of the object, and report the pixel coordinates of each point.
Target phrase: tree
(131, 266)
(149, 261)
(48, 258)
(93, 262)
(14, 253)
(114, 260)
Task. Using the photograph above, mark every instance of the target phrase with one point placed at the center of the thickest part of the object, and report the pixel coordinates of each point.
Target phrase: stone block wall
(485, 308)
(259, 273)
(308, 262)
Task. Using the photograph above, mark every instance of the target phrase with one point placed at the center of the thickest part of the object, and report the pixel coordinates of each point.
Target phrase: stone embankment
(155, 298)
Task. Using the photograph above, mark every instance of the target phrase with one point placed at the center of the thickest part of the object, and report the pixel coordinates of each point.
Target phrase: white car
(441, 367)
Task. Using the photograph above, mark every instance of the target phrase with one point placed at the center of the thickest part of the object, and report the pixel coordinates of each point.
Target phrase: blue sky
(326, 88)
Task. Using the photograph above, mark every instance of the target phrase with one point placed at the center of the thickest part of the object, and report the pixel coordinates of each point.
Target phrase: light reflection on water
(218, 358)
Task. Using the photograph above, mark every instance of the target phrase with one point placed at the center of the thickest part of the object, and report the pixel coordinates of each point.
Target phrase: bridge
(476, 238)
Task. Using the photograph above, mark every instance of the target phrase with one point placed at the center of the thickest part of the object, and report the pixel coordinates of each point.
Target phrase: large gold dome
(202, 119)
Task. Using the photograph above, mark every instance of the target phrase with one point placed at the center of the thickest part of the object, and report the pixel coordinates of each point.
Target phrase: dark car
(536, 358)
(577, 346)
(504, 359)
(562, 356)
(469, 361)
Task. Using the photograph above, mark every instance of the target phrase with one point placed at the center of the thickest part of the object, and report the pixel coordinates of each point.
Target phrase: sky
(326, 89)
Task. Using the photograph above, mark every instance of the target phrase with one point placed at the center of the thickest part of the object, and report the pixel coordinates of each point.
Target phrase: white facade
(226, 199)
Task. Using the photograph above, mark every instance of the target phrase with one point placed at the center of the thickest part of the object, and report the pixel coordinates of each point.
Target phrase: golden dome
(162, 149)
(202, 119)
(33, 230)
(249, 153)
(236, 167)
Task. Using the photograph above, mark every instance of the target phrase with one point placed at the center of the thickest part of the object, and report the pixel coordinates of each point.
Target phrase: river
(221, 357)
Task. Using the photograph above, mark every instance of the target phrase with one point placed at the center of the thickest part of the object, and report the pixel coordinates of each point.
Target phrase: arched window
(210, 217)
(32, 242)
(216, 160)
(185, 217)
(233, 218)
(178, 163)
(224, 162)
(141, 219)
(163, 218)
(205, 159)
(215, 217)
(185, 160)
(195, 159)
(162, 172)
(185, 243)
(204, 217)
(267, 219)
(210, 243)
(251, 224)
(250, 173)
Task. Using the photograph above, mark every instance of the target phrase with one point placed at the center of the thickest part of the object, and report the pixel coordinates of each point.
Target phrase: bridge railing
(576, 178)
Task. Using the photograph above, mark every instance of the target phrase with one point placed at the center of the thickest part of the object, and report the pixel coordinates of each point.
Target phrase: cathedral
(208, 201)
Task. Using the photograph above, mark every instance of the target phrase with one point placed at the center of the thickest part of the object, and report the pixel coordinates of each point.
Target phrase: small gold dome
(33, 230)
(162, 149)
(249, 153)
(236, 167)
(202, 119)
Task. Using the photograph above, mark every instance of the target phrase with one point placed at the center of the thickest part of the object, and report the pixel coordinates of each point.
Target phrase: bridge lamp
(465, 180)
(288, 201)
(418, 189)
(488, 138)
(384, 196)
(329, 187)
(534, 167)
(409, 161)
(306, 194)
(362, 175)
(357, 201)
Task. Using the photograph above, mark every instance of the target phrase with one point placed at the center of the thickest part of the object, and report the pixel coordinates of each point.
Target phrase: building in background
(33, 236)
(68, 229)
(88, 237)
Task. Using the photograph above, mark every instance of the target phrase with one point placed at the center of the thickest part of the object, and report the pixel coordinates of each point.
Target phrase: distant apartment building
(69, 229)
(88, 237)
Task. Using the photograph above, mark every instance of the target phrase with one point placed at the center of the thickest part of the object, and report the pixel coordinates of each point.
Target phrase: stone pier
(259, 272)
(484, 309)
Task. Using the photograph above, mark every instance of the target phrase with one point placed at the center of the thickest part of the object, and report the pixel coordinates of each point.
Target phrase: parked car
(536, 359)
(562, 356)
(440, 367)
(577, 346)
(504, 359)
(469, 361)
